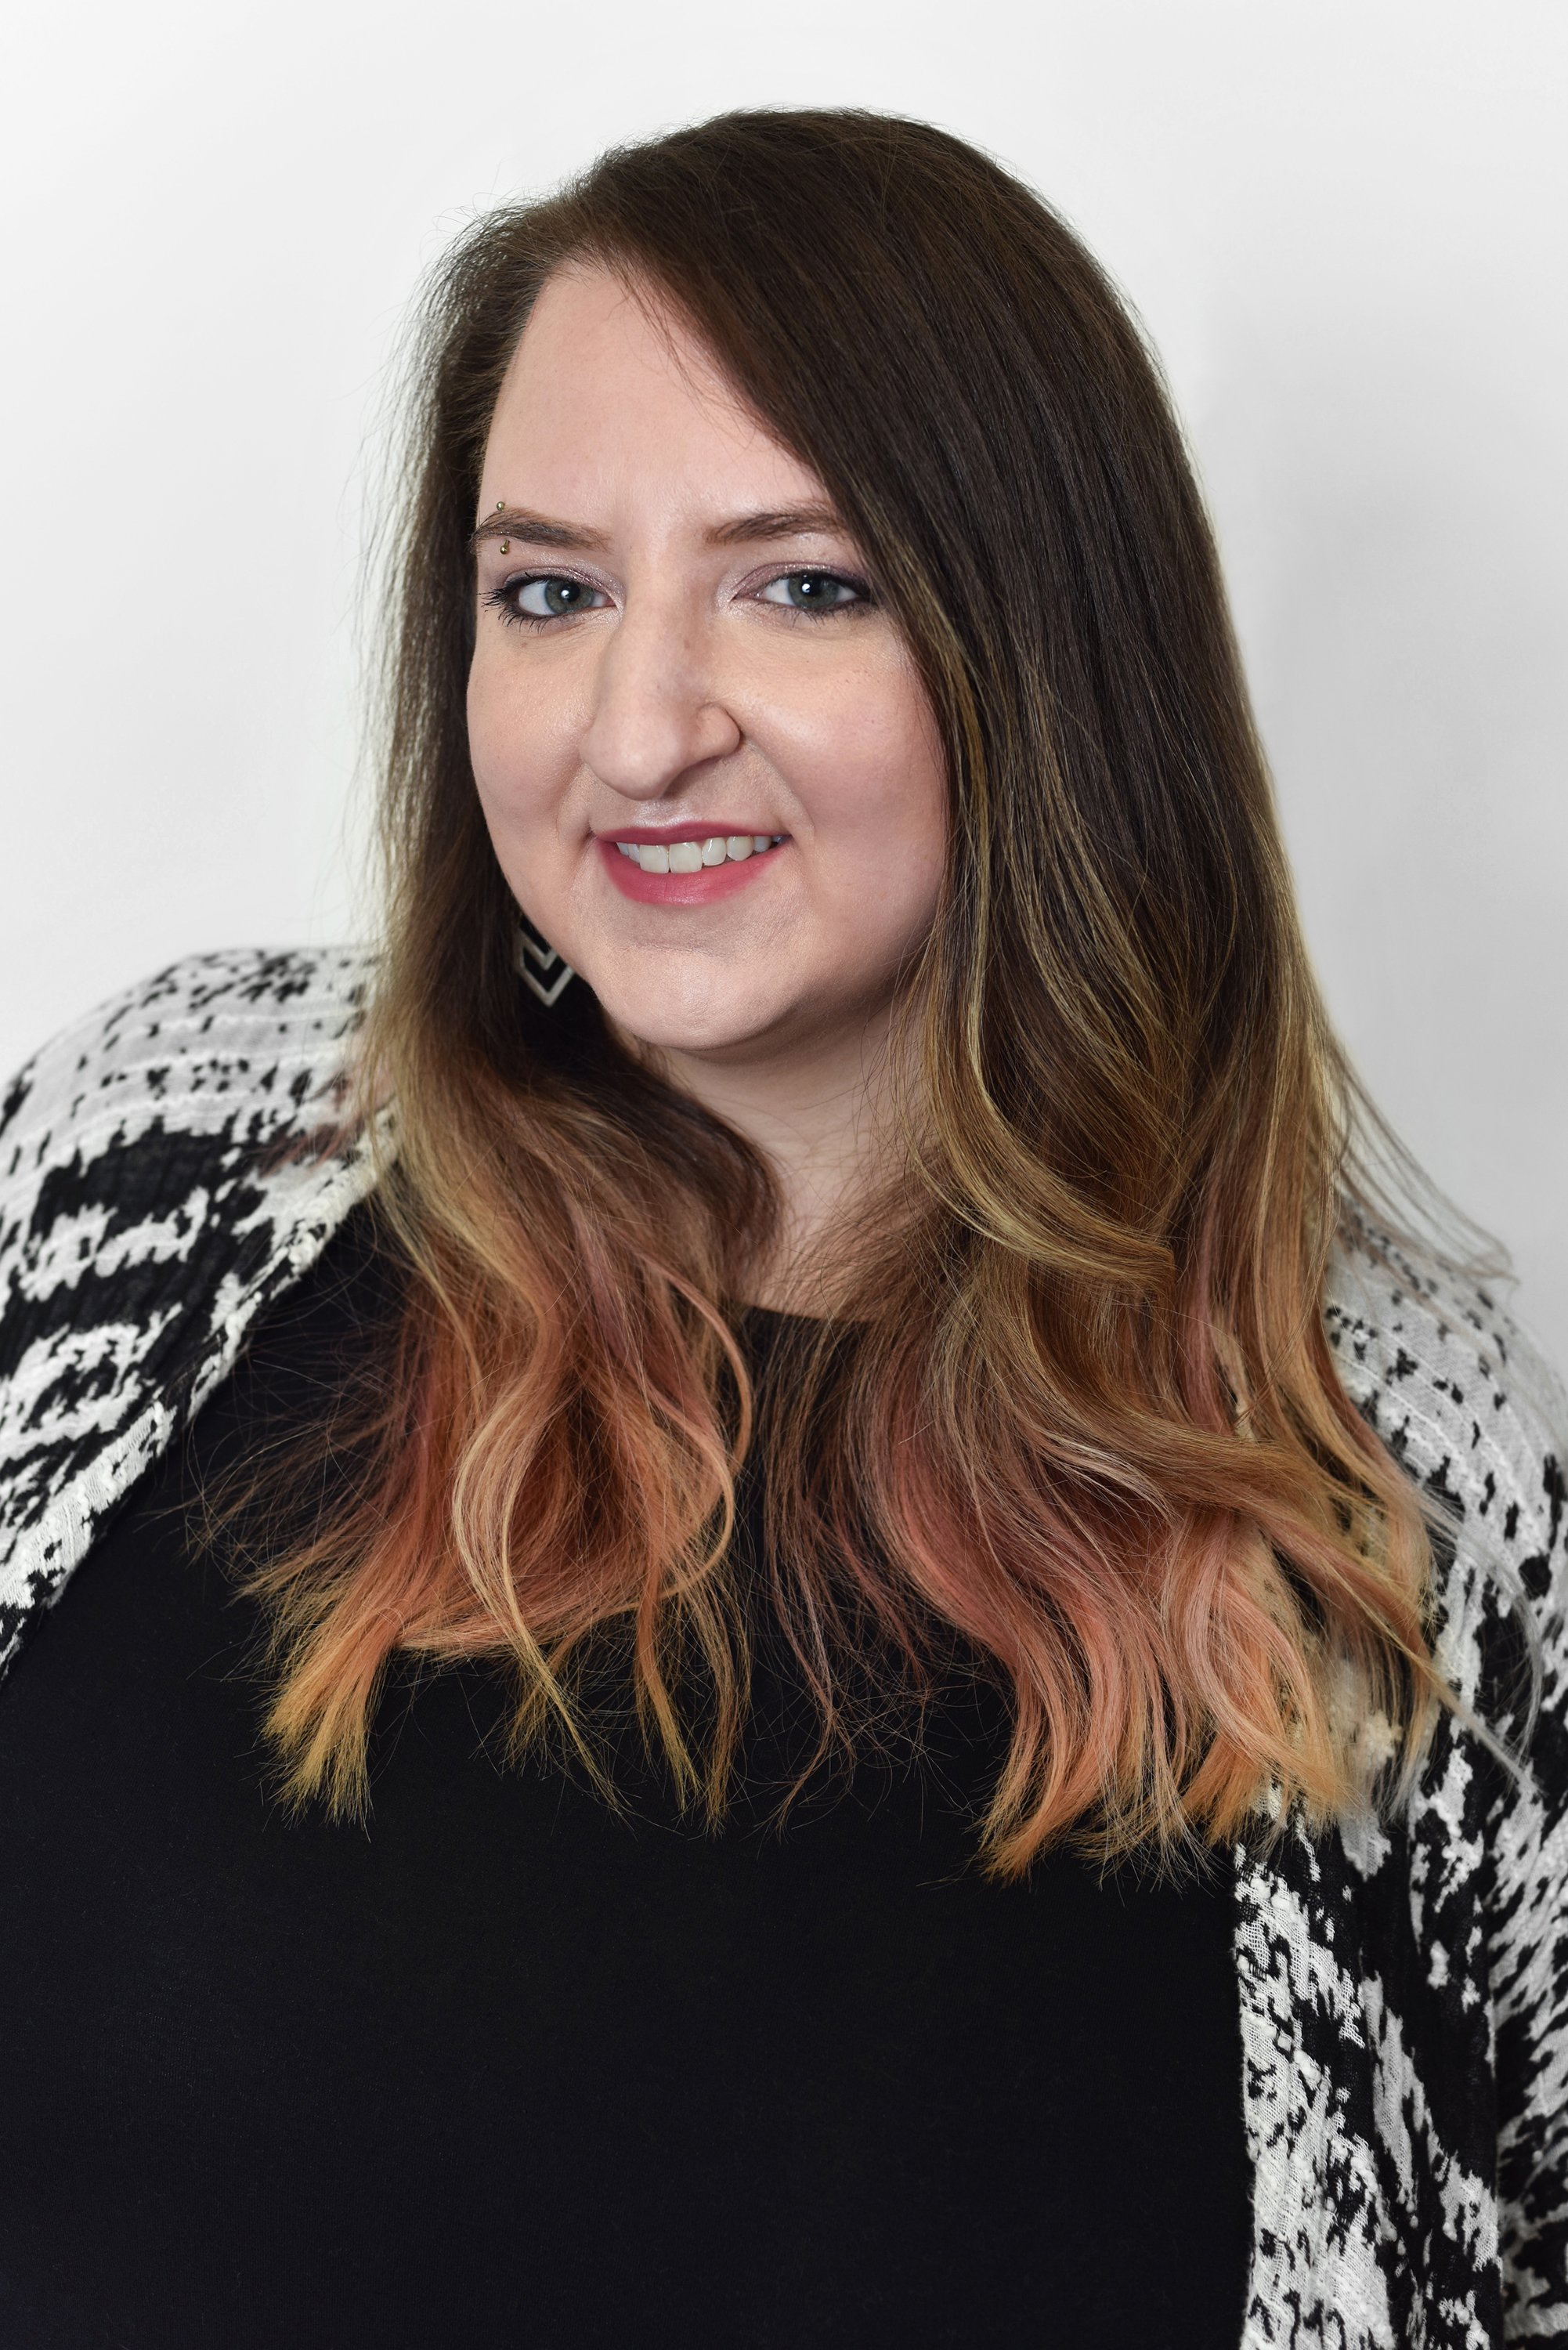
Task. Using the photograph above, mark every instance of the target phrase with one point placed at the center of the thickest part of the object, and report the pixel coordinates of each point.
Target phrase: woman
(771, 1614)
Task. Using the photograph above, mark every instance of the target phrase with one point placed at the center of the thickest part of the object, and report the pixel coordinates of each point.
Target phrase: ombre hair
(1074, 1416)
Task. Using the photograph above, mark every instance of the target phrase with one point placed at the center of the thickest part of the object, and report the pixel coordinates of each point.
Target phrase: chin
(713, 1039)
(670, 1020)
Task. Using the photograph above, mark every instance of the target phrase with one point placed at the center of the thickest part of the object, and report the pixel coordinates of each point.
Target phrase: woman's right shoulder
(243, 1038)
(167, 1166)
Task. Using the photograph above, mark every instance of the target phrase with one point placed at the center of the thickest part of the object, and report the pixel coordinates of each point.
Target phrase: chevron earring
(539, 966)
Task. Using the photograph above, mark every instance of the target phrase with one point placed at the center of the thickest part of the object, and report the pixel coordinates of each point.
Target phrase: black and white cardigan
(1403, 1986)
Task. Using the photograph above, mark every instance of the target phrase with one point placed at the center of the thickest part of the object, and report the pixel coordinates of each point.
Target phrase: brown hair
(1081, 1415)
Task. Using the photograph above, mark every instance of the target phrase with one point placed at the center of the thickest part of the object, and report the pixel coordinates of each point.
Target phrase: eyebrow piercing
(505, 545)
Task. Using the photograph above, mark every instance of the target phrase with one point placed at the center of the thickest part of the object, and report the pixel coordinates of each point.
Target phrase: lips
(708, 875)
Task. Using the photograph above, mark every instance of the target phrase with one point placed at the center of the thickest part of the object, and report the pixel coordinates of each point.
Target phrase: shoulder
(1415, 1965)
(247, 1035)
(1465, 1402)
(166, 1166)
(162, 1122)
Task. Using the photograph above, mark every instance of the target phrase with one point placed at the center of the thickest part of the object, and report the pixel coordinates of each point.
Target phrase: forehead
(610, 395)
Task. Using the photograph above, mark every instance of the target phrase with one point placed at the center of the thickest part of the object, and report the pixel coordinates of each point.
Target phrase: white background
(1346, 225)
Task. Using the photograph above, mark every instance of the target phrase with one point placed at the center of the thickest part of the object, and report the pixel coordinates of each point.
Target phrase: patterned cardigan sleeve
(1455, 1927)
(1528, 1928)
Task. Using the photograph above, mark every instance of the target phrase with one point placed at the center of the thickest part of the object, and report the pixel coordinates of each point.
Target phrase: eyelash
(502, 598)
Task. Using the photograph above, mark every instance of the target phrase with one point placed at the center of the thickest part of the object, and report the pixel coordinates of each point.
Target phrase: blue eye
(815, 591)
(549, 595)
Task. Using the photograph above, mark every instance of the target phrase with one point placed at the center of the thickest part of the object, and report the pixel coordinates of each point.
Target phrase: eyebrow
(741, 530)
(785, 522)
(534, 530)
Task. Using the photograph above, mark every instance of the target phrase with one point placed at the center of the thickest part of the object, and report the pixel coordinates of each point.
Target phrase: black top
(502, 2067)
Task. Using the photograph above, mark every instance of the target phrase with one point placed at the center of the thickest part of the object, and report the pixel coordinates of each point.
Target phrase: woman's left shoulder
(1404, 1982)
(1467, 1405)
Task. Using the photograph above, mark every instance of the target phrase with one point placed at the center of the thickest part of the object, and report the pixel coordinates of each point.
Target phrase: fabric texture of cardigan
(1403, 1983)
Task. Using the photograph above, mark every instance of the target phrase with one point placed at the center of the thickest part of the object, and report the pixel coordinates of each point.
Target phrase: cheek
(523, 761)
(520, 738)
(874, 783)
(492, 745)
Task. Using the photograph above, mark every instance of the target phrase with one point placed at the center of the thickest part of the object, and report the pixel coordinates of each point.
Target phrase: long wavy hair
(1074, 1415)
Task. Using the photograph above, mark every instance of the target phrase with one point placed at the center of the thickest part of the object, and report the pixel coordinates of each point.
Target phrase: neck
(821, 1111)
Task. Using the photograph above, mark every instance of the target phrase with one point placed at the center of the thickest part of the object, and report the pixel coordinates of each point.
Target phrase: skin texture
(685, 689)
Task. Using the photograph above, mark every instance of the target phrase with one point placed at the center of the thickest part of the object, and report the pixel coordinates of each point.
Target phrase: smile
(690, 855)
(690, 872)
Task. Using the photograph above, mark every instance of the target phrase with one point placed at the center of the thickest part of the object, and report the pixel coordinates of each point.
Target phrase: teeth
(690, 855)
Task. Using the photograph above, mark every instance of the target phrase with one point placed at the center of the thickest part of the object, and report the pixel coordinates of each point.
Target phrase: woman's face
(679, 656)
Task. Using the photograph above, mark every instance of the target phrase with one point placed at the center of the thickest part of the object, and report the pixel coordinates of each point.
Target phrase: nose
(657, 709)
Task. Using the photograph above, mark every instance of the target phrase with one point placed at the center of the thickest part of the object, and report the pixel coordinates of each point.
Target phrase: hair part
(1076, 1409)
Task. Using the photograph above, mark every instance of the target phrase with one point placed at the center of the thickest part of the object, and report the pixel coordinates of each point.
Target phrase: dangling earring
(536, 961)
